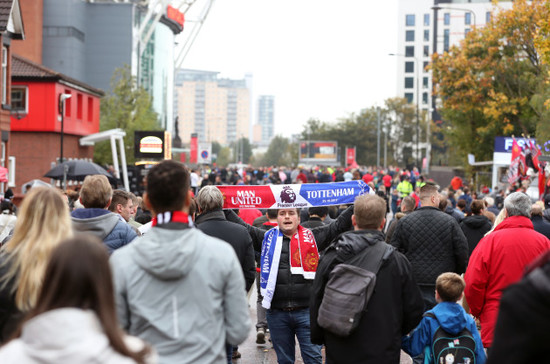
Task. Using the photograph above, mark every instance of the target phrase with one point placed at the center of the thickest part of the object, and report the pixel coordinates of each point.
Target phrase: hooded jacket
(105, 225)
(452, 318)
(394, 309)
(475, 227)
(182, 291)
(65, 336)
(498, 261)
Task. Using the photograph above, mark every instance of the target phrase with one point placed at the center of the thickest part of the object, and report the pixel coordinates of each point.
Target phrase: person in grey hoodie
(94, 218)
(176, 287)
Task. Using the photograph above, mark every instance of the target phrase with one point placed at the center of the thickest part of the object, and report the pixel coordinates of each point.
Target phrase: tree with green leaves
(129, 107)
(242, 150)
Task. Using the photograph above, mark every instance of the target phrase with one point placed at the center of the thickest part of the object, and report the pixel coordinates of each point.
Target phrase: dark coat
(10, 316)
(394, 309)
(293, 290)
(433, 243)
(214, 223)
(521, 333)
(313, 222)
(459, 216)
(475, 227)
(541, 225)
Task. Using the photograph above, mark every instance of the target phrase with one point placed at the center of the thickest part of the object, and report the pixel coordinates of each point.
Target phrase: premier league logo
(288, 195)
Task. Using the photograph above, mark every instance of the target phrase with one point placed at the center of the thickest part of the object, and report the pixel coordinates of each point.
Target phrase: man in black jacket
(432, 241)
(288, 312)
(395, 307)
(212, 221)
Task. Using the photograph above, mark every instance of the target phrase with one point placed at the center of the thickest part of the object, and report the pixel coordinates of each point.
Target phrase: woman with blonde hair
(43, 222)
(74, 320)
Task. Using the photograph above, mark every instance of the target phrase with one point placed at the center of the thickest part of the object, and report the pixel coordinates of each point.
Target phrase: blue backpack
(453, 349)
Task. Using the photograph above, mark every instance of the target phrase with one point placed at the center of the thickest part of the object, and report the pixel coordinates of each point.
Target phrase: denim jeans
(285, 327)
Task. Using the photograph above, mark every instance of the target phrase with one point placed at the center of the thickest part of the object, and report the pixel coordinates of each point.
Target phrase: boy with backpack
(447, 334)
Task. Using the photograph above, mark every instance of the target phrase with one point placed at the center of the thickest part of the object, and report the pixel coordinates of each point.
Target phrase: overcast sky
(320, 59)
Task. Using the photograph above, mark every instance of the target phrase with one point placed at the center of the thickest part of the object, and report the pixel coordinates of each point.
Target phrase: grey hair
(209, 199)
(518, 204)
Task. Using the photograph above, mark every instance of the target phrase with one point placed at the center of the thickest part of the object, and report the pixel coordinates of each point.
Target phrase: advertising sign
(151, 144)
(350, 156)
(318, 152)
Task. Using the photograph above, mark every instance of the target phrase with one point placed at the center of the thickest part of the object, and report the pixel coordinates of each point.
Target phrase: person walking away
(476, 225)
(74, 320)
(499, 260)
(42, 223)
(394, 308)
(432, 241)
(176, 287)
(449, 317)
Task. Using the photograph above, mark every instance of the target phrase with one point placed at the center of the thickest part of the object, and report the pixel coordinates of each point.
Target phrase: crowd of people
(101, 275)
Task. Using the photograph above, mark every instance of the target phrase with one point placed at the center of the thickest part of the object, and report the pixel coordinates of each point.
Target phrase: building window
(19, 99)
(409, 67)
(409, 51)
(425, 66)
(447, 19)
(426, 35)
(79, 106)
(409, 82)
(427, 20)
(409, 96)
(4, 75)
(68, 104)
(424, 82)
(409, 36)
(468, 18)
(426, 51)
(90, 109)
(425, 98)
(488, 17)
(409, 20)
(446, 35)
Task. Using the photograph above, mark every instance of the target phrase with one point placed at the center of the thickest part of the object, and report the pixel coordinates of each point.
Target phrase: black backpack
(349, 289)
(461, 346)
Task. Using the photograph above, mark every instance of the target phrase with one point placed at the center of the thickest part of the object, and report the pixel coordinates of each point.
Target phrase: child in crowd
(446, 320)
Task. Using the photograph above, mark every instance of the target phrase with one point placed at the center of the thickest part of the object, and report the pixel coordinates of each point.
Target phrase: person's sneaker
(260, 336)
(236, 355)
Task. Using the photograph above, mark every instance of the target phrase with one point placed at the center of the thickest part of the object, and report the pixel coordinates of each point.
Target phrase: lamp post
(62, 99)
(416, 76)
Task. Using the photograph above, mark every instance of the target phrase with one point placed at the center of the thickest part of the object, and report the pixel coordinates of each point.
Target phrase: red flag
(516, 150)
(542, 182)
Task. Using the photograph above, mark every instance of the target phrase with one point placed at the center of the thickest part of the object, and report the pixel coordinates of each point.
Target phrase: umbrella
(77, 170)
(34, 183)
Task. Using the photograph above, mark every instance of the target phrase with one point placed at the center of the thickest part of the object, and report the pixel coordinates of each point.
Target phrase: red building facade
(36, 120)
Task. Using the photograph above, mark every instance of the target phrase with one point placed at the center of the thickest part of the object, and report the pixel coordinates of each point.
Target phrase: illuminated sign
(152, 144)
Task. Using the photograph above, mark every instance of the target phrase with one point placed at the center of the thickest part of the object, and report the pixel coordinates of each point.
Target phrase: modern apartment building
(265, 123)
(217, 109)
(416, 39)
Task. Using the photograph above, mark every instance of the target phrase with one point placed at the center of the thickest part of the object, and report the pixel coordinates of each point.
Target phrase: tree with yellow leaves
(495, 82)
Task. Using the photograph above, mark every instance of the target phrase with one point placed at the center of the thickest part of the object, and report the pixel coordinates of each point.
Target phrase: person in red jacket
(499, 260)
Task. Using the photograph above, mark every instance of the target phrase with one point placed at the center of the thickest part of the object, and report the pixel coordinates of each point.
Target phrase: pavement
(252, 353)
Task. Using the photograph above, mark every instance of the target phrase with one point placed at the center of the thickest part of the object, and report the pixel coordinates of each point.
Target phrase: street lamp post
(62, 99)
(417, 77)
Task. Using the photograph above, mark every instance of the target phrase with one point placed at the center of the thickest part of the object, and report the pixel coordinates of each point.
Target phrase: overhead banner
(293, 195)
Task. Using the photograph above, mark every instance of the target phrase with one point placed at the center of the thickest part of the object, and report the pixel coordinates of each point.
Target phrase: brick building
(36, 125)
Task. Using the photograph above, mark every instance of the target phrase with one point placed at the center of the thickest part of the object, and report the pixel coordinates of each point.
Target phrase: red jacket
(498, 261)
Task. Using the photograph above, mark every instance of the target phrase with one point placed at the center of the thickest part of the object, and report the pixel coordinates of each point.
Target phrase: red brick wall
(31, 47)
(35, 152)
